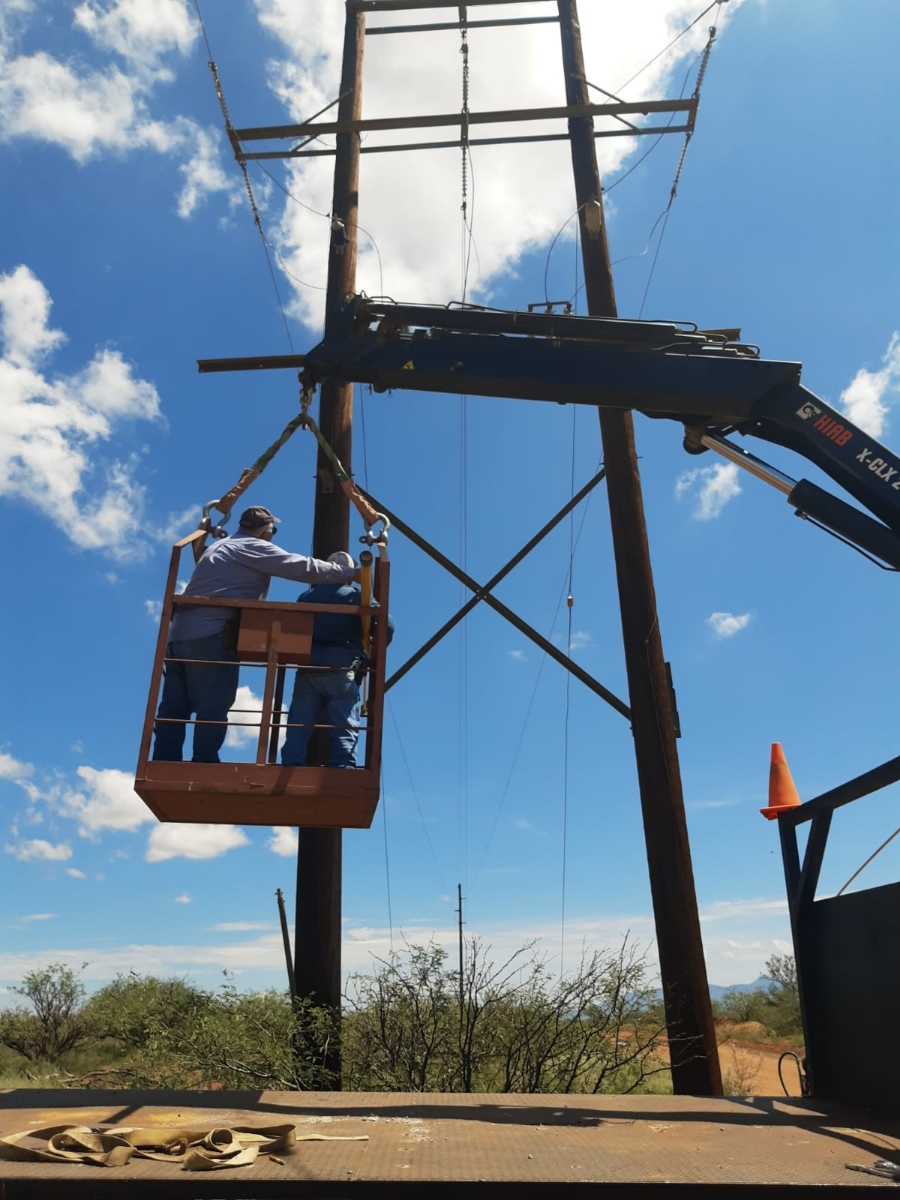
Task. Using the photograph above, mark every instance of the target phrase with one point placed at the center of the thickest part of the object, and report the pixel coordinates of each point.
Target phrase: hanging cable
(704, 62)
(466, 251)
(570, 602)
(387, 861)
(534, 690)
(232, 137)
(327, 216)
(412, 786)
(887, 841)
(677, 38)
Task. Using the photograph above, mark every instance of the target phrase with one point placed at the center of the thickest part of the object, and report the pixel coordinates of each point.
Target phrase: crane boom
(707, 380)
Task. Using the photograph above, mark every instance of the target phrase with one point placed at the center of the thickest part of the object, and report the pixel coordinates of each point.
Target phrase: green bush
(240, 1040)
(127, 1008)
(54, 1024)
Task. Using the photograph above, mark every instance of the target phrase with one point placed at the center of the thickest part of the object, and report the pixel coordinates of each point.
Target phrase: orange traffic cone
(782, 793)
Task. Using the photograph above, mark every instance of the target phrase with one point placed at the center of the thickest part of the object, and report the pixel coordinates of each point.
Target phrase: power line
(704, 62)
(246, 174)
(887, 841)
(437, 865)
(387, 862)
(327, 217)
(675, 39)
(537, 680)
(565, 814)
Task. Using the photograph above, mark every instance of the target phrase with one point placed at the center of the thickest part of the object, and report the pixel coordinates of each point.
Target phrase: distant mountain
(716, 990)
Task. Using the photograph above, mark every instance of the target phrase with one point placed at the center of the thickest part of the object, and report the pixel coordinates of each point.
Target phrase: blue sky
(127, 251)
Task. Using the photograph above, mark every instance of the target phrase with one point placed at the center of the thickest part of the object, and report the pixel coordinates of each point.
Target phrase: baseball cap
(253, 518)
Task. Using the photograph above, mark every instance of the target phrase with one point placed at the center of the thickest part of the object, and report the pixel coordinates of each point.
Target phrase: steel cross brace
(483, 592)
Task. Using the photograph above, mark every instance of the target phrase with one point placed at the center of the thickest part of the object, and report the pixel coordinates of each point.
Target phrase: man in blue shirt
(337, 646)
(203, 678)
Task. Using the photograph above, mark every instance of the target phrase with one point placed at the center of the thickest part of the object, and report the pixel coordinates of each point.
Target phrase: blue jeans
(336, 693)
(205, 688)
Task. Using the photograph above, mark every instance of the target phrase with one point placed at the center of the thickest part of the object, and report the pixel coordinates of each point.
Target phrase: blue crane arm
(707, 380)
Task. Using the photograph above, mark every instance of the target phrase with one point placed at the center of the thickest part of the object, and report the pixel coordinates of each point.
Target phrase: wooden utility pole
(317, 942)
(692, 1040)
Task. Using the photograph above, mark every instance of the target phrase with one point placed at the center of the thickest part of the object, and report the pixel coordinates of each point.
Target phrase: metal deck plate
(474, 1142)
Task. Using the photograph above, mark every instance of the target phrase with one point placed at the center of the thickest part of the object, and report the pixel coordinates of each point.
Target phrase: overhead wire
(387, 861)
(246, 174)
(327, 216)
(704, 62)
(412, 786)
(607, 189)
(530, 706)
(383, 805)
(677, 38)
(466, 232)
(887, 841)
(565, 796)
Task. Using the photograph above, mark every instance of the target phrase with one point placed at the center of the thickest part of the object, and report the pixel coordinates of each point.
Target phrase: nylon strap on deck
(192, 1149)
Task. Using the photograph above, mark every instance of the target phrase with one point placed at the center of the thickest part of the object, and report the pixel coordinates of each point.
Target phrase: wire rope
(246, 174)
(675, 39)
(434, 857)
(704, 62)
(565, 805)
(887, 841)
(467, 235)
(387, 861)
(537, 680)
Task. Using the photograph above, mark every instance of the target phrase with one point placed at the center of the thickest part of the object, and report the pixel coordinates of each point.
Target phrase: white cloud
(38, 849)
(153, 609)
(246, 705)
(193, 841)
(75, 873)
(701, 804)
(739, 910)
(108, 801)
(203, 173)
(11, 768)
(517, 655)
(177, 524)
(521, 195)
(579, 639)
(241, 926)
(726, 625)
(863, 399)
(712, 487)
(77, 746)
(283, 841)
(742, 922)
(184, 898)
(50, 427)
(89, 110)
(243, 720)
(140, 31)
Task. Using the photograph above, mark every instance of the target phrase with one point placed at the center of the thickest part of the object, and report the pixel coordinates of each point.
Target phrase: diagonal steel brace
(492, 583)
(482, 592)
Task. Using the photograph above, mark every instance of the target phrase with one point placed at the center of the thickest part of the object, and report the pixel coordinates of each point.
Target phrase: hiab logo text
(807, 411)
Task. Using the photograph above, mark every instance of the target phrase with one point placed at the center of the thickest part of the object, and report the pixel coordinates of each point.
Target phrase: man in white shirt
(202, 672)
